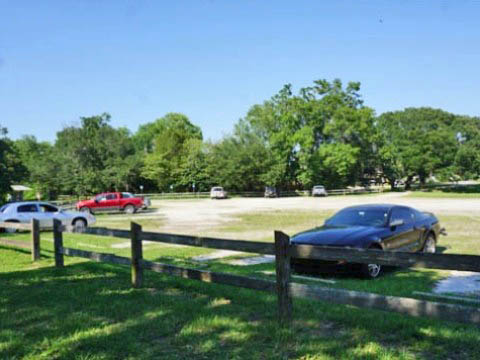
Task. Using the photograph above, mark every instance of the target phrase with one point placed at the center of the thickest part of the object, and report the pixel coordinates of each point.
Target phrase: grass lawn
(89, 311)
(442, 195)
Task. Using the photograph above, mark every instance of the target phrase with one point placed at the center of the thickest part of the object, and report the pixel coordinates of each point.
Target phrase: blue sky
(212, 60)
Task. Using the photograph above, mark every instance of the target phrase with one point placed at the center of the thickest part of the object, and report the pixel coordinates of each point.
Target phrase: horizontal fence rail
(15, 225)
(402, 305)
(196, 241)
(285, 289)
(33, 227)
(209, 276)
(388, 258)
(15, 243)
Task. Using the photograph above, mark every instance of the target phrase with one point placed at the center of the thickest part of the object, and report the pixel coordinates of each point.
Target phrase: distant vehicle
(217, 192)
(375, 226)
(114, 201)
(270, 192)
(25, 211)
(319, 190)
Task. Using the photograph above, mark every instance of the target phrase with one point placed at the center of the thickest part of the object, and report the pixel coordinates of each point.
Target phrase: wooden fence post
(282, 265)
(137, 254)
(35, 229)
(58, 242)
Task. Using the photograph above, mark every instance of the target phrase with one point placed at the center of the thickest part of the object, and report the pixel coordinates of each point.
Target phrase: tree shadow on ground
(90, 311)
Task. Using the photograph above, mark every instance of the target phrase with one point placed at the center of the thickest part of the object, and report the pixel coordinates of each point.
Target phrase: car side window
(27, 208)
(100, 198)
(111, 197)
(47, 208)
(403, 214)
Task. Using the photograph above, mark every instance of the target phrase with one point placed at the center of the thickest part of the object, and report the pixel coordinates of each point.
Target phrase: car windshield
(318, 187)
(359, 217)
(3, 208)
(217, 189)
(127, 195)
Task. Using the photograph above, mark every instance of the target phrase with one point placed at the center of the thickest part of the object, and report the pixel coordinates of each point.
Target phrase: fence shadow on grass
(89, 310)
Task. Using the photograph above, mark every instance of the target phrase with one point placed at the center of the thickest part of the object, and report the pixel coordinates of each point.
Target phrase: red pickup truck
(114, 201)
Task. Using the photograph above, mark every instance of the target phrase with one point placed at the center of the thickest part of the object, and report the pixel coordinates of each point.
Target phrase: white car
(24, 212)
(217, 192)
(319, 190)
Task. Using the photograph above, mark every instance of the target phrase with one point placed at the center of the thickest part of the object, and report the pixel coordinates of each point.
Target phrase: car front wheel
(79, 224)
(371, 271)
(429, 246)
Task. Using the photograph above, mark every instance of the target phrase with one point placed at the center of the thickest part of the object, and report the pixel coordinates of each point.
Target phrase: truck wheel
(129, 209)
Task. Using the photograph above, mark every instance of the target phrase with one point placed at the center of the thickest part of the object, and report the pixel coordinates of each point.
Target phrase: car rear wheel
(129, 209)
(429, 246)
(11, 230)
(79, 224)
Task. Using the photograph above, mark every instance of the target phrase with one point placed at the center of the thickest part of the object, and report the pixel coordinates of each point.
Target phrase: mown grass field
(89, 311)
(442, 195)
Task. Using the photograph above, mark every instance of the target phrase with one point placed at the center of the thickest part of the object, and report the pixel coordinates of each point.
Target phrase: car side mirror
(396, 222)
(96, 200)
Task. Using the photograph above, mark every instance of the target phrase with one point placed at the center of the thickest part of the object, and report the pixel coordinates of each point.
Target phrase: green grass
(443, 195)
(89, 311)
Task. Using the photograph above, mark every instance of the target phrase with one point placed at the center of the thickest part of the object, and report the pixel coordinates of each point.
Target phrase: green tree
(295, 127)
(416, 142)
(165, 141)
(11, 168)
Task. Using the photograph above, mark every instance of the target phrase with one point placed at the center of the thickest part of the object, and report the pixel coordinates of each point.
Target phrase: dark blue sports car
(376, 226)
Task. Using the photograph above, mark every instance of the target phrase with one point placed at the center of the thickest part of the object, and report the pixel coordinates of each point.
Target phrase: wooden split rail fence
(283, 286)
(33, 246)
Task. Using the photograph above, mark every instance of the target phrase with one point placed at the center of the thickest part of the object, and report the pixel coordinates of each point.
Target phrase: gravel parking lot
(199, 215)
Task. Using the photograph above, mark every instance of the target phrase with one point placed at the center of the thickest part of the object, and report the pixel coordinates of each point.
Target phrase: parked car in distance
(114, 201)
(375, 226)
(270, 192)
(25, 211)
(319, 190)
(217, 192)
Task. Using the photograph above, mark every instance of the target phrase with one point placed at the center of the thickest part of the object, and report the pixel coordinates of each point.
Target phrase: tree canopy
(320, 134)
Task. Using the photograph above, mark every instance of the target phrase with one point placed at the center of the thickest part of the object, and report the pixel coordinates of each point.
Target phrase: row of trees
(324, 134)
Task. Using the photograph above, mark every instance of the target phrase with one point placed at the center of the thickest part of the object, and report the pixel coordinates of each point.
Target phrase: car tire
(11, 230)
(430, 245)
(85, 210)
(79, 224)
(129, 209)
(371, 271)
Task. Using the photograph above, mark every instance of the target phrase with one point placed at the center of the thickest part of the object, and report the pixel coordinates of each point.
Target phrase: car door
(48, 213)
(112, 202)
(100, 203)
(27, 212)
(402, 237)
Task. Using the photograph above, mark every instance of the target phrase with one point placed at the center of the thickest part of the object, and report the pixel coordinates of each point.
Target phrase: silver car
(24, 212)
(319, 190)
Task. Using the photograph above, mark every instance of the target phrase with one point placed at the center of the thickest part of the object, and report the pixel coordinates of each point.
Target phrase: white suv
(319, 190)
(217, 192)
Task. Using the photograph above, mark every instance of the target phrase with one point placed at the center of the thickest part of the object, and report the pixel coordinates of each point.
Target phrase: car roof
(18, 203)
(384, 207)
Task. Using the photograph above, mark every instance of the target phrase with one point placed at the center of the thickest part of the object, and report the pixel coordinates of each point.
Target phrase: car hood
(337, 236)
